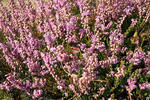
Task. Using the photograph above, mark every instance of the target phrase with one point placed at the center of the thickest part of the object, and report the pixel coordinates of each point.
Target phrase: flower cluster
(131, 83)
(75, 48)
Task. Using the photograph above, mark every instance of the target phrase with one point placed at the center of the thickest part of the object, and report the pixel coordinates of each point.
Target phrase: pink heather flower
(62, 2)
(40, 28)
(86, 13)
(44, 72)
(35, 84)
(94, 39)
(82, 31)
(1, 86)
(91, 49)
(62, 57)
(73, 19)
(85, 74)
(69, 68)
(48, 38)
(60, 87)
(131, 83)
(114, 60)
(101, 90)
(147, 62)
(105, 33)
(37, 93)
(112, 73)
(86, 92)
(73, 38)
(66, 94)
(101, 47)
(82, 46)
(121, 72)
(31, 50)
(127, 11)
(28, 83)
(134, 22)
(42, 82)
(123, 50)
(137, 57)
(103, 27)
(144, 86)
(109, 25)
(69, 26)
(8, 88)
(33, 66)
(71, 86)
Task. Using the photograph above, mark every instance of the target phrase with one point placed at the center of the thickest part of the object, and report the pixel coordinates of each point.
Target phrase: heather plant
(75, 49)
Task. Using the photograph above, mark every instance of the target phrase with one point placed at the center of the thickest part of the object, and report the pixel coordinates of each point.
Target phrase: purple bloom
(131, 83)
(59, 87)
(37, 93)
(8, 88)
(71, 86)
(144, 86)
(28, 83)
(62, 57)
(109, 25)
(62, 2)
(42, 82)
(82, 46)
(141, 87)
(134, 22)
(1, 86)
(101, 47)
(50, 40)
(137, 57)
(73, 42)
(91, 49)
(103, 27)
(147, 62)
(82, 31)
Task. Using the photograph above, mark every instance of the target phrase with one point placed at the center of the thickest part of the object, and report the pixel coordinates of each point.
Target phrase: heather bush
(75, 49)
